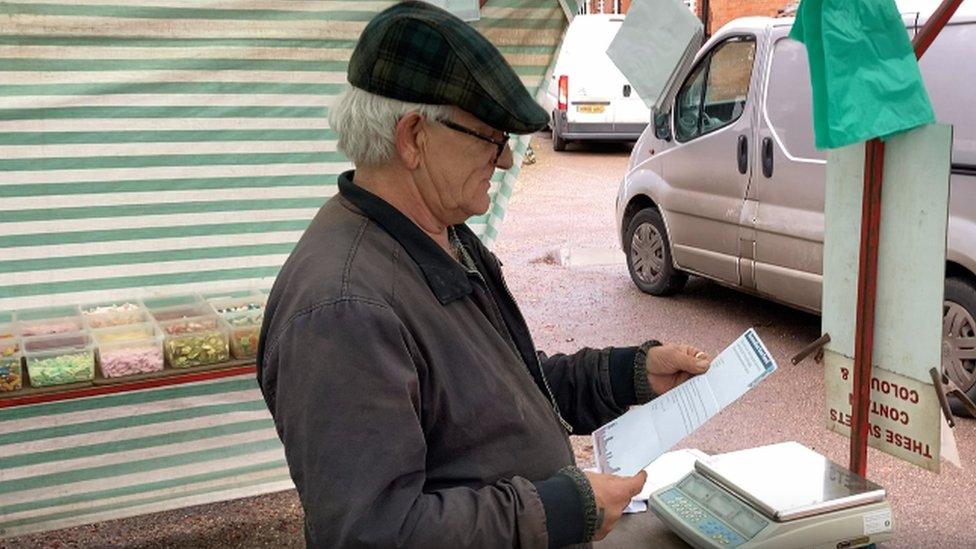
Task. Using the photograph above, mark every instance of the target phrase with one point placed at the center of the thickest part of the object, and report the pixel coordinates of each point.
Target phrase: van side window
(714, 95)
(688, 105)
(662, 126)
(789, 102)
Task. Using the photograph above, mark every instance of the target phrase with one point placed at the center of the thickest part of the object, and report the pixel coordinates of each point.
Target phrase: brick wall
(724, 11)
(608, 6)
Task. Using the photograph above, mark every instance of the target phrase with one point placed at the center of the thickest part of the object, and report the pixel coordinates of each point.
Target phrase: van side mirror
(662, 125)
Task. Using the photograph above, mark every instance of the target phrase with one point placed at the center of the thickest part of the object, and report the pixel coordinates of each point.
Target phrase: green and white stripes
(81, 461)
(167, 146)
(158, 146)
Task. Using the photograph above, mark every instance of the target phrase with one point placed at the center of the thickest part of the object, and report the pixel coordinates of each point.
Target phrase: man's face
(457, 168)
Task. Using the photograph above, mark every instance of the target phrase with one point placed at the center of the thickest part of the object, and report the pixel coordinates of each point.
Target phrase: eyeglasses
(500, 143)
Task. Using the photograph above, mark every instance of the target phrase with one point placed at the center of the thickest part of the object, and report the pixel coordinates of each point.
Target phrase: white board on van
(655, 47)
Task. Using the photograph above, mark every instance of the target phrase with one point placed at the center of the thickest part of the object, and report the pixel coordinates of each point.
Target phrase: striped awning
(168, 146)
(81, 461)
(160, 146)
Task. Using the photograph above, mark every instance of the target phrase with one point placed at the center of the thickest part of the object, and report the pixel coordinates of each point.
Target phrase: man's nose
(505, 161)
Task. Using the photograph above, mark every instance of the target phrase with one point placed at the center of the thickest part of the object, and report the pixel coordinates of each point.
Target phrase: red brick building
(723, 11)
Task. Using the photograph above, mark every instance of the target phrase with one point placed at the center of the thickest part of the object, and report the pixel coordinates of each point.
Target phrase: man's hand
(671, 365)
(612, 494)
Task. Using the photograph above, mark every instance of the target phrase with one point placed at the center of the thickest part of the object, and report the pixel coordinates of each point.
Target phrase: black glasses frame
(500, 143)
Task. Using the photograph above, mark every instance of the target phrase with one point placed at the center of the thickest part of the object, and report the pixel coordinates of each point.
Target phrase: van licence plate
(594, 109)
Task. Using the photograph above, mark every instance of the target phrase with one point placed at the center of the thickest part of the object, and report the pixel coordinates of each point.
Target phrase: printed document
(627, 444)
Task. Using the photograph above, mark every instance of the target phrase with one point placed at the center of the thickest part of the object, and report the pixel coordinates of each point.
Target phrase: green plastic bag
(865, 78)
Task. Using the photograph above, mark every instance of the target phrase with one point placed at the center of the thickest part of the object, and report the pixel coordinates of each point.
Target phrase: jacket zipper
(542, 373)
(498, 318)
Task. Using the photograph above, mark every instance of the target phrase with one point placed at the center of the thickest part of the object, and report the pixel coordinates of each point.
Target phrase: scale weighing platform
(780, 496)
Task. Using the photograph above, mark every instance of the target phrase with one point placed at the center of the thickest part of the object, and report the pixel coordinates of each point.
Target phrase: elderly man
(413, 406)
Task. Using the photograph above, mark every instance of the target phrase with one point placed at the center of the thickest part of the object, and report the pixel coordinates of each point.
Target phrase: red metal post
(867, 286)
(867, 278)
(934, 26)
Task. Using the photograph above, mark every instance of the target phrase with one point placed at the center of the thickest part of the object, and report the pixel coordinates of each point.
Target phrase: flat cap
(417, 52)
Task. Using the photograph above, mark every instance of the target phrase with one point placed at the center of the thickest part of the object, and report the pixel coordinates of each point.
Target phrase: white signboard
(655, 46)
(905, 415)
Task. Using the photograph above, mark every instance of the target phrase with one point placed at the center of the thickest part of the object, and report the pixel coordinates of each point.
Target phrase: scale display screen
(705, 499)
(748, 524)
(721, 505)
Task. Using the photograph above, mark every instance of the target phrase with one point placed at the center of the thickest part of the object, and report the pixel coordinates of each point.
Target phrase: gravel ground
(269, 521)
(564, 204)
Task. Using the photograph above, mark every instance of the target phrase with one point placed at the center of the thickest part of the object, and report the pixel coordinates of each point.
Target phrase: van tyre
(959, 337)
(648, 253)
(558, 143)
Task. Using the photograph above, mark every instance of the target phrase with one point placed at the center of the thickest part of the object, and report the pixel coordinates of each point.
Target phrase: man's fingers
(682, 377)
(637, 483)
(701, 361)
(688, 363)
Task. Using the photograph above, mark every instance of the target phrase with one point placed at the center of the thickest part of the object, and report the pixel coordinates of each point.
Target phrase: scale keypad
(700, 518)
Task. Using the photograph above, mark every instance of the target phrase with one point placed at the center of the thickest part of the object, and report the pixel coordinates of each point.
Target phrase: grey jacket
(412, 404)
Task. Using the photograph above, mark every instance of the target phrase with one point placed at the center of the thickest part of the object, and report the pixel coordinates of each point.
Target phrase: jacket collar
(445, 276)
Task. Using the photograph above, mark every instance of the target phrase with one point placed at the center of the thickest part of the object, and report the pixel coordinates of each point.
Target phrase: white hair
(366, 122)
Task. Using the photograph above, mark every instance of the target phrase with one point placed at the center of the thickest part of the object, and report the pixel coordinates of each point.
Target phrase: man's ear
(409, 139)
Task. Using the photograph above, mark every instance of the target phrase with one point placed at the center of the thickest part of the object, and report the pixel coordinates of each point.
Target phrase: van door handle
(626, 90)
(767, 156)
(742, 154)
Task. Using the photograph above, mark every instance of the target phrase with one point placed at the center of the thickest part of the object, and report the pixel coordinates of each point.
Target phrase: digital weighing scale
(780, 496)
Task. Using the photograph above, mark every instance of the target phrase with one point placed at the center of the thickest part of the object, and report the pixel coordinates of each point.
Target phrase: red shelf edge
(98, 390)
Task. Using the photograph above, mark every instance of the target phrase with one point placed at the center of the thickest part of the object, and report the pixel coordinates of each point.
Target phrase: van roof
(595, 18)
(910, 10)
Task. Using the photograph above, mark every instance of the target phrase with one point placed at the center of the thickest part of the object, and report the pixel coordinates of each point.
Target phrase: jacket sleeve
(595, 386)
(343, 384)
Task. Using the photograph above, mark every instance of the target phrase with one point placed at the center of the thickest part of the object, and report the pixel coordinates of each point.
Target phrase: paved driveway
(565, 211)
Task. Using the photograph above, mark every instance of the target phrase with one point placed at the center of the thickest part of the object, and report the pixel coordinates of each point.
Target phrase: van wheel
(649, 255)
(959, 337)
(558, 143)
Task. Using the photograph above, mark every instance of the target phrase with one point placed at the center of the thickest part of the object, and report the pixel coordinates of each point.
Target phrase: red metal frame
(867, 277)
(123, 387)
(867, 286)
(940, 17)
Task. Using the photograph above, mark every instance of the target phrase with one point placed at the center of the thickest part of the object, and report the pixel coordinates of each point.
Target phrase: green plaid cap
(417, 52)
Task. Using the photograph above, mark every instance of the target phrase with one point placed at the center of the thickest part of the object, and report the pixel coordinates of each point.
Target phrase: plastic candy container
(195, 341)
(54, 320)
(245, 328)
(175, 307)
(129, 350)
(114, 313)
(59, 359)
(231, 305)
(11, 375)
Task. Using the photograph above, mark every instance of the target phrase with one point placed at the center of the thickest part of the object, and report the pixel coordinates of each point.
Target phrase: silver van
(726, 182)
